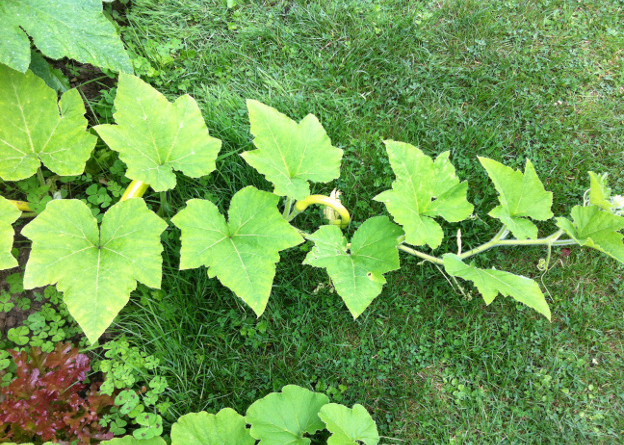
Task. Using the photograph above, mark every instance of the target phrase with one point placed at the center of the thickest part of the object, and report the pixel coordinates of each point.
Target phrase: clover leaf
(5, 302)
(127, 400)
(19, 335)
(5, 360)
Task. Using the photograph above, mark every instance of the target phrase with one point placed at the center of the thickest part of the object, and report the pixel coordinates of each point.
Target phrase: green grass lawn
(503, 79)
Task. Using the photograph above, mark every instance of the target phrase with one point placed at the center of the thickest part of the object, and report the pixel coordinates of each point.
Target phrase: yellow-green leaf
(491, 282)
(599, 193)
(285, 417)
(423, 190)
(520, 196)
(290, 154)
(593, 227)
(357, 271)
(154, 136)
(225, 427)
(60, 28)
(96, 269)
(8, 215)
(241, 252)
(349, 426)
(35, 128)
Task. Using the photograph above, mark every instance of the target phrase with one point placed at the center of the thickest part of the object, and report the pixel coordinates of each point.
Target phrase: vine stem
(288, 208)
(552, 240)
(497, 241)
(21, 205)
(136, 189)
(40, 177)
(419, 254)
(501, 235)
(165, 208)
(333, 203)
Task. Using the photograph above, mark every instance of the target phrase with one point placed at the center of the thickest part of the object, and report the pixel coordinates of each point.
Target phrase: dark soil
(89, 79)
(83, 76)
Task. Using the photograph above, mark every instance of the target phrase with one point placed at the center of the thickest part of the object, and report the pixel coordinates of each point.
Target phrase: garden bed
(428, 359)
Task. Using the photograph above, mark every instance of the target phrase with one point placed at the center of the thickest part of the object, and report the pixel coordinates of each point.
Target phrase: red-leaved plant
(49, 401)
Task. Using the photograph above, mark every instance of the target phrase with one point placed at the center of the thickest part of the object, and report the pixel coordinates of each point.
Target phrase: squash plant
(60, 28)
(285, 417)
(97, 268)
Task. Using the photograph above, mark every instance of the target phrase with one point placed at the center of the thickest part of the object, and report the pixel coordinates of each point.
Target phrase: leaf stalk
(165, 207)
(335, 204)
(497, 241)
(40, 177)
(21, 205)
(288, 208)
(419, 254)
(136, 189)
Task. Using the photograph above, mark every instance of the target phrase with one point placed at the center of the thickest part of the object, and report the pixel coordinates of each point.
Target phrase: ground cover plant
(310, 294)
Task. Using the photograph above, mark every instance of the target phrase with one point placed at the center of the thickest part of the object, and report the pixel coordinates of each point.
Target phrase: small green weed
(132, 375)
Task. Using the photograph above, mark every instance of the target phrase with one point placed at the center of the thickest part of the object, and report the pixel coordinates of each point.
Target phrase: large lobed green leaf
(95, 269)
(349, 426)
(491, 282)
(423, 189)
(155, 137)
(284, 417)
(593, 227)
(357, 271)
(35, 130)
(290, 154)
(60, 28)
(242, 252)
(520, 196)
(225, 427)
(8, 215)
